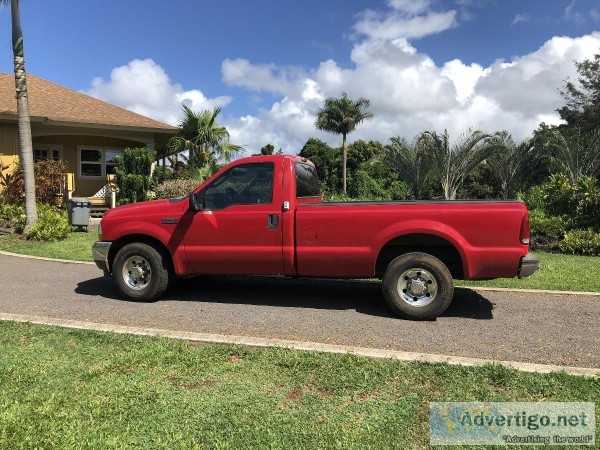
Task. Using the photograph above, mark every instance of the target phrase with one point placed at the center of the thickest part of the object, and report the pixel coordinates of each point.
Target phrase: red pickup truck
(264, 216)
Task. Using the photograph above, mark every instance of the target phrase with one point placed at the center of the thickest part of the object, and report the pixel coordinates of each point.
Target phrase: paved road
(539, 328)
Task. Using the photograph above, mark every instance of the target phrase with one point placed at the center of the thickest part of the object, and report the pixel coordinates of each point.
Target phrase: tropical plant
(49, 182)
(512, 163)
(574, 152)
(134, 174)
(341, 116)
(203, 138)
(454, 162)
(24, 125)
(53, 224)
(409, 161)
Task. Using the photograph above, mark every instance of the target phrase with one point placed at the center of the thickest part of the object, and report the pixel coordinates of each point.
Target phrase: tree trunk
(345, 153)
(25, 144)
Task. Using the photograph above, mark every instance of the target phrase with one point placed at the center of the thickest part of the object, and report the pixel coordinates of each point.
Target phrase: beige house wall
(84, 187)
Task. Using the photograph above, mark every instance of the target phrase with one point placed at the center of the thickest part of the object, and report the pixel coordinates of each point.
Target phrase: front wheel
(141, 272)
(417, 286)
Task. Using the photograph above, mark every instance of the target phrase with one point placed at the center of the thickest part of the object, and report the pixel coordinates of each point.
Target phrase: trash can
(79, 210)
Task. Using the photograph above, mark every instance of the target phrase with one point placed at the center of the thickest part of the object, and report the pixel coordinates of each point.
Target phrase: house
(85, 132)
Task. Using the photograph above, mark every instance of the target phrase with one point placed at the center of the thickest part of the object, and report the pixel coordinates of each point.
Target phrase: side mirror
(195, 202)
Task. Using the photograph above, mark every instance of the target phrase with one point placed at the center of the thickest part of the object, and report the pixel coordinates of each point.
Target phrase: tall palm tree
(409, 161)
(341, 116)
(454, 162)
(203, 138)
(512, 163)
(25, 144)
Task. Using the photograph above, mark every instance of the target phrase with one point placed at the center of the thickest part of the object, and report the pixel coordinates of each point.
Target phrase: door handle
(273, 221)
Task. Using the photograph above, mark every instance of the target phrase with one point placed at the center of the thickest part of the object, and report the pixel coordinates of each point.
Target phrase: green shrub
(581, 242)
(558, 195)
(175, 188)
(587, 198)
(134, 179)
(546, 231)
(12, 216)
(533, 198)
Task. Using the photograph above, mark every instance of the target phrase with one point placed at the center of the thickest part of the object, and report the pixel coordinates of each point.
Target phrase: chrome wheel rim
(417, 287)
(137, 273)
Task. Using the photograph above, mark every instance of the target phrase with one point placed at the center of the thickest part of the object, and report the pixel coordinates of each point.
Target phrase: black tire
(141, 272)
(417, 286)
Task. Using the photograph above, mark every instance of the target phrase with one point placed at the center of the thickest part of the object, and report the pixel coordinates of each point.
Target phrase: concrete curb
(298, 345)
(531, 291)
(474, 288)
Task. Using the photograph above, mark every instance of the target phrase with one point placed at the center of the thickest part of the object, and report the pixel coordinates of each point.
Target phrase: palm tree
(575, 153)
(25, 144)
(454, 162)
(341, 116)
(204, 139)
(512, 163)
(409, 161)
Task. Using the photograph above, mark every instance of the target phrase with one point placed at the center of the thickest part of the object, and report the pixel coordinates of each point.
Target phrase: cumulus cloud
(409, 92)
(144, 87)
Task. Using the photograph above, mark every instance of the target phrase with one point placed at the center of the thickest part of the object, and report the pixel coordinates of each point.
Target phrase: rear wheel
(417, 286)
(141, 272)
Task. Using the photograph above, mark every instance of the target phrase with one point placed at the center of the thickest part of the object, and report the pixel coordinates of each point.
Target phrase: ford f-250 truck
(264, 216)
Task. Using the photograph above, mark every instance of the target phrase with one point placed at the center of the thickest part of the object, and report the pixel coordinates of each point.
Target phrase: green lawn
(77, 247)
(63, 388)
(556, 271)
(561, 272)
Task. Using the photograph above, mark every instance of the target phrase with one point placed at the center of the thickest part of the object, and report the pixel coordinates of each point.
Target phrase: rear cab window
(307, 181)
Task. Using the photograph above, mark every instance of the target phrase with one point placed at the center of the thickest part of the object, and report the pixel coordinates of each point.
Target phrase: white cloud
(399, 24)
(572, 13)
(144, 87)
(519, 18)
(409, 92)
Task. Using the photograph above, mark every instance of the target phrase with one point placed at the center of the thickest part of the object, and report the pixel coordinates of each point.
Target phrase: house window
(44, 153)
(97, 162)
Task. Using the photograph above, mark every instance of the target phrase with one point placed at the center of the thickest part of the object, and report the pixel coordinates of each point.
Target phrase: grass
(63, 388)
(77, 247)
(556, 271)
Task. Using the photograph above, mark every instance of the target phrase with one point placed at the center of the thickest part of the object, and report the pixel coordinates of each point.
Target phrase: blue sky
(423, 63)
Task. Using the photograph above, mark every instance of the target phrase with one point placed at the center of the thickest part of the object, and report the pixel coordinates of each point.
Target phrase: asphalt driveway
(537, 328)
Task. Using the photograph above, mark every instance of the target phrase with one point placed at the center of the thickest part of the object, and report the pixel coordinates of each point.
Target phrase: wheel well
(425, 243)
(142, 238)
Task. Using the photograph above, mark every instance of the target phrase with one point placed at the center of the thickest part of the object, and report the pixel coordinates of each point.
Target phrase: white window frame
(101, 163)
(50, 148)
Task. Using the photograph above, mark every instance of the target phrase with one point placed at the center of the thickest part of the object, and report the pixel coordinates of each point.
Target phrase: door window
(246, 184)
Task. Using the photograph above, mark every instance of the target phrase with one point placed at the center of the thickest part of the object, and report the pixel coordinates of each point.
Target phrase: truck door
(238, 231)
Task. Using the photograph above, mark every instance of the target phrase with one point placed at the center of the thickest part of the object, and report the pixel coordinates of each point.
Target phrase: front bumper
(529, 264)
(100, 251)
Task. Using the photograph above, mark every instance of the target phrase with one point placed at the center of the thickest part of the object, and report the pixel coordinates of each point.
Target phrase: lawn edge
(209, 338)
(43, 258)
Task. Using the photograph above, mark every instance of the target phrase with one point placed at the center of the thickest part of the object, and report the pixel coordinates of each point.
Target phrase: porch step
(98, 210)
